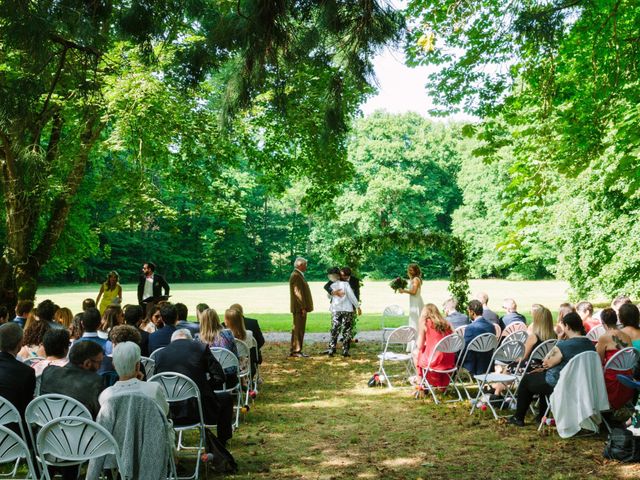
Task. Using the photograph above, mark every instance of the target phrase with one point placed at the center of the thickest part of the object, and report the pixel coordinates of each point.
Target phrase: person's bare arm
(553, 358)
(414, 287)
(601, 346)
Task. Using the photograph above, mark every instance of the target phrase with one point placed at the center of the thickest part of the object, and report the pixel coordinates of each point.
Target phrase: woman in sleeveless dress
(431, 329)
(109, 291)
(415, 298)
(610, 343)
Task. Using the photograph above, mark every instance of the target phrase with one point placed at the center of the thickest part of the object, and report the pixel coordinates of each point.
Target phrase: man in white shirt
(342, 313)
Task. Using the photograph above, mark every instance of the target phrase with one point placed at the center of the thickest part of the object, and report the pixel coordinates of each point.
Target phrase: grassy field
(316, 419)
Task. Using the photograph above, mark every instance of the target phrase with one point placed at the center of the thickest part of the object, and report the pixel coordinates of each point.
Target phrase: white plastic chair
(45, 408)
(514, 327)
(9, 414)
(149, 365)
(498, 330)
(75, 440)
(519, 336)
(595, 333)
(390, 312)
(153, 354)
(244, 366)
(452, 343)
(227, 359)
(178, 388)
(486, 342)
(13, 449)
(460, 330)
(256, 377)
(623, 361)
(401, 336)
(506, 353)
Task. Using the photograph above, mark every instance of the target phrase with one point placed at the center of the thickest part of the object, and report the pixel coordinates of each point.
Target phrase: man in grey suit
(454, 317)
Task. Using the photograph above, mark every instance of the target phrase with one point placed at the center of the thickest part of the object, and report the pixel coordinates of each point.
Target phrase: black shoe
(513, 420)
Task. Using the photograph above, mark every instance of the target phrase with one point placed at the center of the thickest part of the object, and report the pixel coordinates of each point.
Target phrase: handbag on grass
(221, 460)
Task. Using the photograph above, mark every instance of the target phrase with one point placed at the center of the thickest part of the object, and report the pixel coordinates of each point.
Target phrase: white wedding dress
(415, 307)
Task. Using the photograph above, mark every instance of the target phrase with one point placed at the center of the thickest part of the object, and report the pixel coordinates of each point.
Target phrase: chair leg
(546, 412)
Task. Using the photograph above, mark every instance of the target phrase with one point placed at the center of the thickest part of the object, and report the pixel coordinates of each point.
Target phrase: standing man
(301, 304)
(151, 285)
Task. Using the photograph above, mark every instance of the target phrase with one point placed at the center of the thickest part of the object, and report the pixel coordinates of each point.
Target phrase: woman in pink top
(431, 329)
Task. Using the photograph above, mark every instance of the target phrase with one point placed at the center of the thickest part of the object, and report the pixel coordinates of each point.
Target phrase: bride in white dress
(415, 298)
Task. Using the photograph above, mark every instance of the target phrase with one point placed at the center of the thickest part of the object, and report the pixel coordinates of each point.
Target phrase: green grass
(321, 322)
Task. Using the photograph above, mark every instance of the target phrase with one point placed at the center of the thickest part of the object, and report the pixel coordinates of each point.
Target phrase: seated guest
(90, 322)
(152, 321)
(126, 360)
(23, 308)
(32, 340)
(46, 313)
(75, 330)
(64, 317)
(512, 314)
(78, 378)
(454, 317)
(477, 363)
(56, 348)
(630, 319)
(118, 334)
(4, 315)
(162, 337)
(542, 381)
(183, 314)
(252, 325)
(234, 322)
(488, 314)
(88, 303)
(213, 334)
(564, 309)
(133, 316)
(585, 310)
(201, 307)
(194, 359)
(17, 380)
(112, 317)
(610, 343)
(620, 300)
(540, 330)
(431, 329)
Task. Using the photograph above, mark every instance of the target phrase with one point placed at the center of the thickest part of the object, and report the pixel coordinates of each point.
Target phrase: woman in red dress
(431, 329)
(610, 343)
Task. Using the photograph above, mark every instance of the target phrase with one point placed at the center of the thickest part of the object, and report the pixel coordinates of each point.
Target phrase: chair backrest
(483, 343)
(8, 413)
(75, 439)
(452, 343)
(149, 366)
(460, 330)
(153, 354)
(542, 350)
(178, 387)
(31, 360)
(226, 358)
(625, 359)
(244, 357)
(242, 347)
(595, 333)
(519, 336)
(12, 448)
(514, 327)
(401, 336)
(498, 330)
(393, 311)
(508, 352)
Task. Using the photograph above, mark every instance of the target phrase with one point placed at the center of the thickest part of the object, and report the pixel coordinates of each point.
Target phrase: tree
(61, 64)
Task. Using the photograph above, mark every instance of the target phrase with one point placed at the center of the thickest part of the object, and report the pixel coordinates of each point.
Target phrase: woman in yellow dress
(109, 291)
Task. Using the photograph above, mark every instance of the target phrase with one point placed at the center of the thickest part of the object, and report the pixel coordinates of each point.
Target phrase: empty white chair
(506, 353)
(76, 440)
(388, 313)
(399, 337)
(452, 343)
(13, 449)
(178, 388)
(9, 414)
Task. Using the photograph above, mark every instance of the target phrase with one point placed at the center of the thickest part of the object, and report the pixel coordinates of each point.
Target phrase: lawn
(317, 419)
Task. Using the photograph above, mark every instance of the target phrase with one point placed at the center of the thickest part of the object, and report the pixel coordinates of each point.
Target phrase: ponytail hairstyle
(574, 323)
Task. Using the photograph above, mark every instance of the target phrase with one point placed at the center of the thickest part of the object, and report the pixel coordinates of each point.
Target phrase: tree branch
(9, 161)
(69, 44)
(54, 138)
(56, 78)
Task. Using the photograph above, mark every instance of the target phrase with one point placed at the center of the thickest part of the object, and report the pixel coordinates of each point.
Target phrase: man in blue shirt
(477, 362)
(90, 322)
(162, 337)
(23, 308)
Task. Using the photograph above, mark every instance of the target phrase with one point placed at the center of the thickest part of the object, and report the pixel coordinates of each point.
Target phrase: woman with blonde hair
(64, 317)
(540, 330)
(110, 290)
(432, 328)
(213, 334)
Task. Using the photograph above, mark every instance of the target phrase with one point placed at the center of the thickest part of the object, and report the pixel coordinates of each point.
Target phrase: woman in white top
(342, 314)
(415, 298)
(126, 361)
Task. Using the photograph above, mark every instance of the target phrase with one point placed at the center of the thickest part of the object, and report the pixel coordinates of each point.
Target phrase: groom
(301, 304)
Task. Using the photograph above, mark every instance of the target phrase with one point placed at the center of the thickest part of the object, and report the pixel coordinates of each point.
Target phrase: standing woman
(415, 298)
(109, 291)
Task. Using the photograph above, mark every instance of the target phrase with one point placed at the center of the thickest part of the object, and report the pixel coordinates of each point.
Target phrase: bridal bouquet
(398, 283)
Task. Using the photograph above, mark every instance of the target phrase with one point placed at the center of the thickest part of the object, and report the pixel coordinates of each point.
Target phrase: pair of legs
(532, 384)
(297, 334)
(341, 321)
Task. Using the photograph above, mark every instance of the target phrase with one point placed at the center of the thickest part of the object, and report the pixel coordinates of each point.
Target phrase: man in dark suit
(162, 338)
(132, 316)
(183, 313)
(477, 362)
(301, 304)
(252, 325)
(512, 314)
(194, 359)
(78, 379)
(151, 286)
(17, 380)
